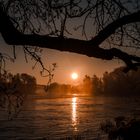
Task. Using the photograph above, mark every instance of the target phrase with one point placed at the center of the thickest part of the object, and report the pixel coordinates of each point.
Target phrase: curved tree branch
(90, 48)
(111, 28)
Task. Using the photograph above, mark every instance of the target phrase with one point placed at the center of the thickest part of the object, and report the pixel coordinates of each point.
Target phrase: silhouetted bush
(122, 128)
(13, 91)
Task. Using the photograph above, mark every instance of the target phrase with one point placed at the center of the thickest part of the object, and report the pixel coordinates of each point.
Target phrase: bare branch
(91, 47)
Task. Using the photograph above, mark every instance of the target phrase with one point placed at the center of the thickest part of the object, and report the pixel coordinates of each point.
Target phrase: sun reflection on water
(74, 113)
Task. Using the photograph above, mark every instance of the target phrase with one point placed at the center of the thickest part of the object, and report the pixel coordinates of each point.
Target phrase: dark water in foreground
(63, 117)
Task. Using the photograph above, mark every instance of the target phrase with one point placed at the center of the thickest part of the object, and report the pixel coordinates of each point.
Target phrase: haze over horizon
(66, 64)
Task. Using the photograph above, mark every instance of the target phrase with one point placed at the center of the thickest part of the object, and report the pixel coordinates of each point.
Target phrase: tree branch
(111, 28)
(90, 48)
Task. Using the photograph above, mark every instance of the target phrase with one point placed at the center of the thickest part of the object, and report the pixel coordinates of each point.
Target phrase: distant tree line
(13, 91)
(116, 83)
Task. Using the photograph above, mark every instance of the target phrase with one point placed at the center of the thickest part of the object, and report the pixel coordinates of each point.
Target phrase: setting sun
(74, 76)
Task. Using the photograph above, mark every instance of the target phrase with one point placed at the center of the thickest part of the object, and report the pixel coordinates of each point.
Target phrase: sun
(74, 75)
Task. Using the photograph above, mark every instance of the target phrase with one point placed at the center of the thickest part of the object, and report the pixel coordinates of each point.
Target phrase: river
(64, 117)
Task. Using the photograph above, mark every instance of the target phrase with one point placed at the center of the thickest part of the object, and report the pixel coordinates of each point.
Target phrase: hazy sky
(66, 64)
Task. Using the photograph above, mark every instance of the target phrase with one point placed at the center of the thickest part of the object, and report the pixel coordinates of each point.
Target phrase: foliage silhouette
(13, 91)
(114, 25)
(115, 83)
(122, 128)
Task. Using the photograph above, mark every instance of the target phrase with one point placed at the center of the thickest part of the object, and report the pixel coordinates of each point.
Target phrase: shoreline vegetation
(116, 84)
(14, 90)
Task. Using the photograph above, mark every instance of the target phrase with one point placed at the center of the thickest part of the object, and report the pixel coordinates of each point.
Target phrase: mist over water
(62, 117)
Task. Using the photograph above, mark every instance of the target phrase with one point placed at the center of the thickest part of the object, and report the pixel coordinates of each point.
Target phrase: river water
(64, 117)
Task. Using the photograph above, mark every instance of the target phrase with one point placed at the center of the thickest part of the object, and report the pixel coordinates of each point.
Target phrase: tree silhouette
(13, 91)
(106, 27)
(122, 84)
(87, 84)
(97, 85)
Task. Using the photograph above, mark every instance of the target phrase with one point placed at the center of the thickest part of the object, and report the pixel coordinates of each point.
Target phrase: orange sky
(66, 64)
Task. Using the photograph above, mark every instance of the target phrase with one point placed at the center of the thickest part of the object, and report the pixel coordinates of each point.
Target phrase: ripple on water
(59, 118)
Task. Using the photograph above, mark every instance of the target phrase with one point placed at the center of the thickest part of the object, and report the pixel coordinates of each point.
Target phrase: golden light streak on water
(74, 113)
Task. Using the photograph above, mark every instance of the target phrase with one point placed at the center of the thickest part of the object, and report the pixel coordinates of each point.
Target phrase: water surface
(62, 117)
